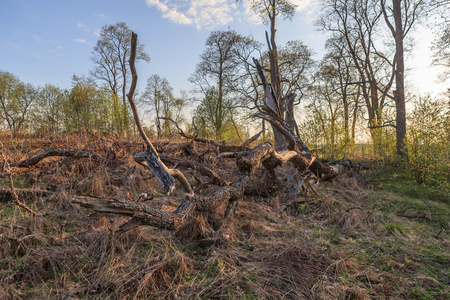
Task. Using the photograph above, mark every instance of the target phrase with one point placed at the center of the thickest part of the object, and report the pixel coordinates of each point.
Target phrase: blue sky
(48, 41)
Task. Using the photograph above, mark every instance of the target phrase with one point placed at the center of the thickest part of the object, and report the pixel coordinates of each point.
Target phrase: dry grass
(347, 243)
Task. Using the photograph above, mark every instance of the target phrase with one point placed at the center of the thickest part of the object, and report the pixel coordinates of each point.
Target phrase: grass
(356, 240)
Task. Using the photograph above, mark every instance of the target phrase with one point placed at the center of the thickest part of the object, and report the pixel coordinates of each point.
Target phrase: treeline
(49, 110)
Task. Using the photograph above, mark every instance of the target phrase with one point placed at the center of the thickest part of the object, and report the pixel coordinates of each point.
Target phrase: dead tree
(164, 175)
(194, 209)
(305, 160)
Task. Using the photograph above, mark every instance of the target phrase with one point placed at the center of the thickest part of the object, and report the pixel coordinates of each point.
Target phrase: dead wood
(231, 148)
(226, 196)
(305, 160)
(151, 156)
(193, 137)
(7, 168)
(6, 194)
(31, 161)
(252, 139)
(201, 168)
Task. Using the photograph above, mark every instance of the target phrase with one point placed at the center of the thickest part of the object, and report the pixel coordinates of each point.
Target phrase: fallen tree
(196, 207)
(31, 161)
(195, 210)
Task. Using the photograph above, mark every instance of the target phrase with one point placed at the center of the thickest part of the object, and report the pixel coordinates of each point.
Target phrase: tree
(207, 116)
(48, 114)
(441, 48)
(428, 136)
(338, 71)
(16, 99)
(282, 101)
(355, 22)
(80, 106)
(110, 57)
(216, 69)
(158, 96)
(400, 18)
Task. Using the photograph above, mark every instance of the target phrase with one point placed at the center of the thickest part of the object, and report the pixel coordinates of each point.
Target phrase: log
(155, 165)
(145, 215)
(252, 139)
(31, 161)
(201, 168)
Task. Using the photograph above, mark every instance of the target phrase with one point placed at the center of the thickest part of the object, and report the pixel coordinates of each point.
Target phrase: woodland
(292, 178)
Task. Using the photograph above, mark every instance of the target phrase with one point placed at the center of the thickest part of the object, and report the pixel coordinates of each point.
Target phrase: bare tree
(216, 71)
(338, 71)
(110, 57)
(441, 48)
(400, 17)
(355, 22)
(48, 114)
(269, 10)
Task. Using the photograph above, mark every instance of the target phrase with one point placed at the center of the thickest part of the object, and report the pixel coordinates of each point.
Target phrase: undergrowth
(380, 238)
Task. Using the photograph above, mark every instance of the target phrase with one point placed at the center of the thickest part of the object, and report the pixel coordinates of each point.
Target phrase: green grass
(410, 188)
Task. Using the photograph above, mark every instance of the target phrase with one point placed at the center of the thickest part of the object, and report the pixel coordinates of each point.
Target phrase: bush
(427, 142)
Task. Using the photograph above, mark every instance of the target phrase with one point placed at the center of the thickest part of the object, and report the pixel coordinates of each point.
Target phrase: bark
(289, 113)
(399, 95)
(202, 169)
(155, 164)
(193, 137)
(304, 160)
(278, 123)
(252, 139)
(272, 104)
(31, 161)
(248, 162)
(398, 33)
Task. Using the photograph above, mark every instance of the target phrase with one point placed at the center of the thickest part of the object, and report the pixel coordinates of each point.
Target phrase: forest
(278, 176)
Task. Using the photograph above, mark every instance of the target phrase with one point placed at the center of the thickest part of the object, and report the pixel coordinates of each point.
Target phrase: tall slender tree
(158, 98)
(111, 55)
(399, 18)
(216, 70)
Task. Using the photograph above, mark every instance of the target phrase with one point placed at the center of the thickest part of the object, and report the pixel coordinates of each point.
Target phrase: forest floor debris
(350, 241)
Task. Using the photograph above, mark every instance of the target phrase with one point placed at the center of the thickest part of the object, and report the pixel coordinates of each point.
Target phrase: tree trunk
(399, 94)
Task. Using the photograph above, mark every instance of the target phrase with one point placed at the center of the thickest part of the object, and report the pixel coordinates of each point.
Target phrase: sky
(47, 41)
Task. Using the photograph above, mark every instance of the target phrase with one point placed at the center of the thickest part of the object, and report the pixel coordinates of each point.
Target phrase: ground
(368, 234)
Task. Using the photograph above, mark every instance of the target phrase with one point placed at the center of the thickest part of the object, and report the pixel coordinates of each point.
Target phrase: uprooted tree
(194, 208)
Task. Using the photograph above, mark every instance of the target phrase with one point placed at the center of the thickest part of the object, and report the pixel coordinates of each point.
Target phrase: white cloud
(213, 13)
(80, 41)
(304, 5)
(170, 13)
(177, 17)
(81, 25)
(201, 13)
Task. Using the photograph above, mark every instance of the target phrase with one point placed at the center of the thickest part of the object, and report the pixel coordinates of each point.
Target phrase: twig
(415, 217)
(7, 168)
